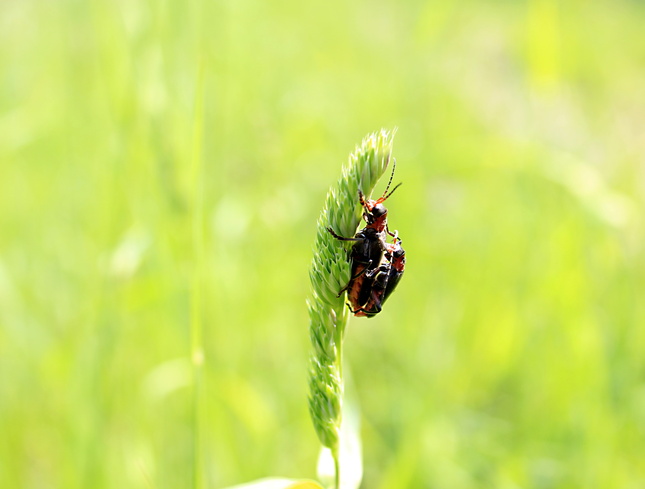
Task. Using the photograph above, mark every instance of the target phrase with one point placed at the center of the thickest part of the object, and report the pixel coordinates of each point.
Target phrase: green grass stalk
(196, 326)
(329, 273)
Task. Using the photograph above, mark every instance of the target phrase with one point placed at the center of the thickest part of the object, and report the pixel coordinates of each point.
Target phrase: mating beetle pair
(377, 266)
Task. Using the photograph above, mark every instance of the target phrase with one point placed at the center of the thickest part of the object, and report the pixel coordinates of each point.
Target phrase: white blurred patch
(350, 453)
(231, 218)
(134, 17)
(129, 253)
(152, 90)
(167, 378)
(268, 483)
(586, 183)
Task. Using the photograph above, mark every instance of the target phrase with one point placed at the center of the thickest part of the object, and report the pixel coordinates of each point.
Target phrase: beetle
(366, 255)
(373, 260)
(381, 282)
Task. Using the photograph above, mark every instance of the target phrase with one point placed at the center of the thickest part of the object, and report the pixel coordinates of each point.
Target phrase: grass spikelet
(329, 273)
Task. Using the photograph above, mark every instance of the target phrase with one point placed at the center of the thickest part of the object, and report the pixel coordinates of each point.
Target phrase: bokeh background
(512, 354)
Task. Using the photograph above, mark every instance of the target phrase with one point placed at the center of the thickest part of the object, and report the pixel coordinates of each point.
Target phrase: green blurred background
(512, 354)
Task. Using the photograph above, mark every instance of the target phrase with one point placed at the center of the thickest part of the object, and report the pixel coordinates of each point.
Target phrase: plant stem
(197, 350)
(340, 330)
(336, 456)
(330, 272)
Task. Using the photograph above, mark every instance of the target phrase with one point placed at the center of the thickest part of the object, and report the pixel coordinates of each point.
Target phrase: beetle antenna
(390, 181)
(383, 199)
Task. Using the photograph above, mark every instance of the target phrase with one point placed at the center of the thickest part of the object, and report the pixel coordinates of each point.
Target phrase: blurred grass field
(512, 354)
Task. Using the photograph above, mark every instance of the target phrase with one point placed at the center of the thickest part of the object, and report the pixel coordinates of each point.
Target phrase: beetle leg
(349, 306)
(363, 271)
(342, 238)
(344, 289)
(368, 312)
(361, 198)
